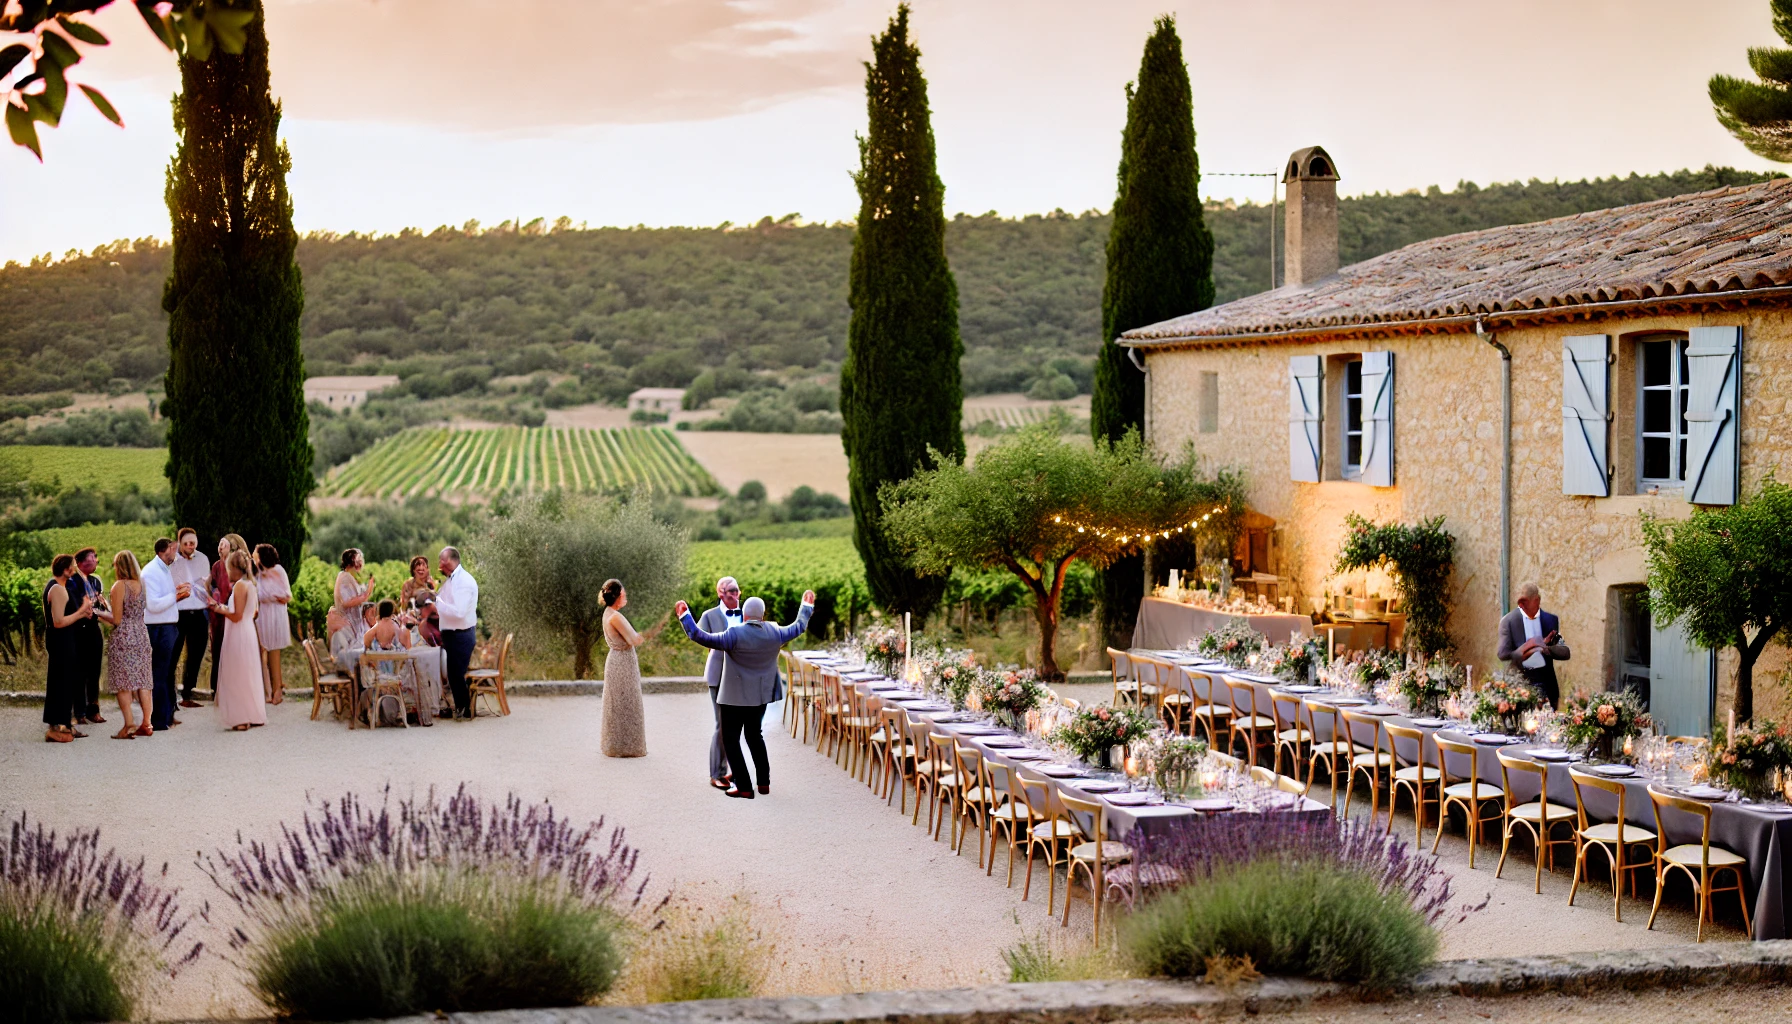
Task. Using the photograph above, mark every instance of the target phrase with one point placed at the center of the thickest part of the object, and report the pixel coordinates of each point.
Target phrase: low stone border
(1084, 1002)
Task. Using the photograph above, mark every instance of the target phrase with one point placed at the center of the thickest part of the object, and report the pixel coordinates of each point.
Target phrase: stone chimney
(1312, 217)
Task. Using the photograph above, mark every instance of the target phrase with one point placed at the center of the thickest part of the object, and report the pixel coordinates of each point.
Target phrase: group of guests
(442, 613)
(180, 603)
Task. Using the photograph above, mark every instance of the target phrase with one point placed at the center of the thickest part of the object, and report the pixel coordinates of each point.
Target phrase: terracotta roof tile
(1725, 240)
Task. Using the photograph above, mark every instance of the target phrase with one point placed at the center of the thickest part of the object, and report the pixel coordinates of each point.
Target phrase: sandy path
(857, 898)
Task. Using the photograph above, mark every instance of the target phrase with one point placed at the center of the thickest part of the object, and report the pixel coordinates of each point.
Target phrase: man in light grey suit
(749, 681)
(717, 620)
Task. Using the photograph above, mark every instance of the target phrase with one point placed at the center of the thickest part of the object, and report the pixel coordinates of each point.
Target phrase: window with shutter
(1585, 405)
(1378, 419)
(1306, 376)
(1713, 404)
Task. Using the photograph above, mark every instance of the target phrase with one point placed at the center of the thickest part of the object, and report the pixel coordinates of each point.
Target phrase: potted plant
(1232, 643)
(1750, 760)
(1093, 732)
(1503, 702)
(1602, 721)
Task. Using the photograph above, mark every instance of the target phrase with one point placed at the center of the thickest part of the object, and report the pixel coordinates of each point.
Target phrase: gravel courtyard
(854, 896)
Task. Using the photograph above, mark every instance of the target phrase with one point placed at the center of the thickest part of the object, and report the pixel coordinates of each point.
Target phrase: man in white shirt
(191, 568)
(160, 595)
(457, 605)
(1531, 642)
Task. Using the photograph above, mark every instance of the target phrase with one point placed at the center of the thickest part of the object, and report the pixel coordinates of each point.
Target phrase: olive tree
(543, 561)
(1039, 501)
(1727, 574)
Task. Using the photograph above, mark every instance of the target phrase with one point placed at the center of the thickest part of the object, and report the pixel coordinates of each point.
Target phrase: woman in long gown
(128, 654)
(62, 680)
(625, 724)
(346, 611)
(272, 593)
(239, 656)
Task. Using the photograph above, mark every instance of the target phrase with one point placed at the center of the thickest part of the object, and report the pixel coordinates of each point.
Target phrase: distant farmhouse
(656, 400)
(1645, 353)
(344, 393)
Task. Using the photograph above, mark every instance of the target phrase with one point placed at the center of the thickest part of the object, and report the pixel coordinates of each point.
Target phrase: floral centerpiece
(1602, 721)
(1093, 732)
(1360, 672)
(954, 679)
(1293, 662)
(1422, 688)
(1170, 759)
(1750, 760)
(1232, 643)
(882, 648)
(1009, 694)
(1502, 703)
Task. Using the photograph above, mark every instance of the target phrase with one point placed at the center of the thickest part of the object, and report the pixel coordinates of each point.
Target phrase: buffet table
(1170, 624)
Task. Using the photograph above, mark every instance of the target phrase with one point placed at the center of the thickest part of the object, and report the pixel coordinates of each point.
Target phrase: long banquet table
(1755, 832)
(1164, 623)
(1123, 819)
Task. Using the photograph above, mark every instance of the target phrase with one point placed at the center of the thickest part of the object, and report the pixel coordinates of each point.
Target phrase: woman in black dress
(65, 608)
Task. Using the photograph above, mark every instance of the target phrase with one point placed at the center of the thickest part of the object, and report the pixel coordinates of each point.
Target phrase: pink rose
(1608, 715)
(1102, 713)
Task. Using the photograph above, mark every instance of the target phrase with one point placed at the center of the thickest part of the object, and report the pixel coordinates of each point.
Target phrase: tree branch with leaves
(44, 37)
(1419, 557)
(1759, 113)
(1037, 503)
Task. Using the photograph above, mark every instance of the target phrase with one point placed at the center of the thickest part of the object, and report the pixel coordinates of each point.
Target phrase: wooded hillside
(621, 308)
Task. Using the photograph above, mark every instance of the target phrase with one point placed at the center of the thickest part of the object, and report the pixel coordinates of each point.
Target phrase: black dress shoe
(719, 783)
(766, 789)
(744, 794)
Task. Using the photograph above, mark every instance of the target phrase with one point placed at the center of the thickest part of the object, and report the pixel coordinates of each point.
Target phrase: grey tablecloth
(1170, 624)
(1759, 836)
(1122, 820)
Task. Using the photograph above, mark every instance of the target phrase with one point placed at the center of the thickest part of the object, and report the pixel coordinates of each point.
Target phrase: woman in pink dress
(272, 594)
(239, 692)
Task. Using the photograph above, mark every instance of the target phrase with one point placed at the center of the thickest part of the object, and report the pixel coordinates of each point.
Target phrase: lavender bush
(1297, 895)
(83, 933)
(456, 905)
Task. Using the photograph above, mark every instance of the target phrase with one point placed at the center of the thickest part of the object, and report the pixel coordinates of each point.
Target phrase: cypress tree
(239, 455)
(899, 385)
(1159, 265)
(1759, 113)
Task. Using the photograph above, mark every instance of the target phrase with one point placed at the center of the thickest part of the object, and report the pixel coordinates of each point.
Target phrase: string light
(1145, 537)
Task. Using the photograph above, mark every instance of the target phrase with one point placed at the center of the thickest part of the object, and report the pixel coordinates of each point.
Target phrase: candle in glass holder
(1629, 746)
(1208, 779)
(1530, 725)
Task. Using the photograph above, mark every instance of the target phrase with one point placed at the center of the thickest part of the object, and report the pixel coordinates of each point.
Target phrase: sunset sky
(403, 113)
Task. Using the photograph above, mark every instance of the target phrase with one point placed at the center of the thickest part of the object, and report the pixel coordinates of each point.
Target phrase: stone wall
(1447, 450)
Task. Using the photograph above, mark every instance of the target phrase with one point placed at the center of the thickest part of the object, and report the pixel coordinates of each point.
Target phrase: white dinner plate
(1060, 771)
(1494, 739)
(1613, 771)
(1703, 792)
(1431, 723)
(1027, 755)
(1213, 804)
(1347, 702)
(1096, 786)
(1551, 755)
(1134, 799)
(1001, 742)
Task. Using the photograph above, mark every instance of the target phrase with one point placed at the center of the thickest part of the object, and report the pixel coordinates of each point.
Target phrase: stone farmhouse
(1538, 385)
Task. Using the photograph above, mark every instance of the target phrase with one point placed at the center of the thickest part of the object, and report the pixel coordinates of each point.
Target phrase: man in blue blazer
(749, 681)
(726, 613)
(1531, 642)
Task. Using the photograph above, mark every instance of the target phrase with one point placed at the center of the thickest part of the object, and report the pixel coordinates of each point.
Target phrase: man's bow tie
(733, 613)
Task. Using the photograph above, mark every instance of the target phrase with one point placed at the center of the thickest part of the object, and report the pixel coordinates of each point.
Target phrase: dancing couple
(742, 673)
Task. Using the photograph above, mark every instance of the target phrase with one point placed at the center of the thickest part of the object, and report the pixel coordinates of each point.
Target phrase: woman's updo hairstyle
(349, 556)
(612, 590)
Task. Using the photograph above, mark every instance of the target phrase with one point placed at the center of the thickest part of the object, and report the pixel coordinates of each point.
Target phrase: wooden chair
(1613, 838)
(805, 696)
(1258, 730)
(1157, 682)
(856, 729)
(1537, 816)
(977, 799)
(1710, 860)
(1226, 761)
(1371, 760)
(833, 711)
(926, 774)
(1470, 794)
(1332, 750)
(1012, 819)
(1050, 833)
(388, 682)
(893, 754)
(1207, 711)
(336, 685)
(1418, 779)
(1126, 682)
(1093, 855)
(1290, 734)
(489, 682)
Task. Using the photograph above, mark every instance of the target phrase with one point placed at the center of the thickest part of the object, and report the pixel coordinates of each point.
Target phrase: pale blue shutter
(1713, 405)
(1306, 376)
(1378, 419)
(1585, 403)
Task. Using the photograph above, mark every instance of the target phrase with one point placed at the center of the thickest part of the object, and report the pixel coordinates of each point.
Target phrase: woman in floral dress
(127, 649)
